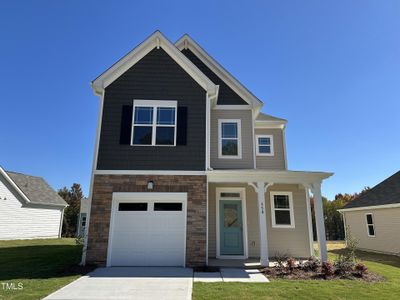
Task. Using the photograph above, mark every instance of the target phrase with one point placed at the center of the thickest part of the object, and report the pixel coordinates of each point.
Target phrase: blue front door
(231, 227)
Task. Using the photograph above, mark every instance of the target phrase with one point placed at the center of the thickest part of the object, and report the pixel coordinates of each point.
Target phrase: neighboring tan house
(84, 208)
(374, 218)
(29, 207)
(188, 170)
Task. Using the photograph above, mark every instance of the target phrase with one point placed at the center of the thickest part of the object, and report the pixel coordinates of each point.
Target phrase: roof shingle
(386, 192)
(36, 189)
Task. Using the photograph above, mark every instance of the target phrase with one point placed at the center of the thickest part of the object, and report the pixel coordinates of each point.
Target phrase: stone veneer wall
(105, 185)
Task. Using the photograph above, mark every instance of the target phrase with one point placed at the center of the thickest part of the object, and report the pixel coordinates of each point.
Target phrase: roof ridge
(7, 171)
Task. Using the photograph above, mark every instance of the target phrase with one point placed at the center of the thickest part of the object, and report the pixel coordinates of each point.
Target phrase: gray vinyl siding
(247, 160)
(155, 77)
(291, 241)
(387, 229)
(226, 96)
(277, 161)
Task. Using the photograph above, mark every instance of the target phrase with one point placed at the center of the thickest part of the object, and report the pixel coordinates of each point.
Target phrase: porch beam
(319, 220)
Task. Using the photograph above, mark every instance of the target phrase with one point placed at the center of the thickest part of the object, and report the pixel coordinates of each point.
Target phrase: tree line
(334, 227)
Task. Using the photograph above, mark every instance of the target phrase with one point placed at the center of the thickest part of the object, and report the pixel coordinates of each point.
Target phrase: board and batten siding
(26, 222)
(387, 229)
(247, 160)
(277, 161)
(290, 241)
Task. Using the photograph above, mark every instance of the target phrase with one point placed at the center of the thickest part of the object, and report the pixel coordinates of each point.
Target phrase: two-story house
(186, 167)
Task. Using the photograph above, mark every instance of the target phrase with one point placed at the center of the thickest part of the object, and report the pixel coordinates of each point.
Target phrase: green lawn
(386, 265)
(41, 266)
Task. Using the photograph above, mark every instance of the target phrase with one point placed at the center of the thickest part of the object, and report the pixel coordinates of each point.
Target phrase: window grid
(222, 138)
(259, 145)
(156, 107)
(275, 209)
(370, 225)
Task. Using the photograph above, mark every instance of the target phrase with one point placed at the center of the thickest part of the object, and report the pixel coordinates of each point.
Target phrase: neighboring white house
(82, 217)
(29, 207)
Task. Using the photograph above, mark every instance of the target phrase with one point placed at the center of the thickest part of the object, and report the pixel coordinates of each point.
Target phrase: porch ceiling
(269, 176)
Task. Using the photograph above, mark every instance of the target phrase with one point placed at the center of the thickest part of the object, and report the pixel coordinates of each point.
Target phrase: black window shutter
(181, 125)
(126, 125)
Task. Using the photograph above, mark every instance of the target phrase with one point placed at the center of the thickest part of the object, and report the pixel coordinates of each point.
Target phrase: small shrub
(312, 264)
(327, 269)
(351, 246)
(280, 258)
(290, 265)
(360, 269)
(343, 265)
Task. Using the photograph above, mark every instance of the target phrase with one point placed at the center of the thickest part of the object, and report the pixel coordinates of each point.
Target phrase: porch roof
(270, 176)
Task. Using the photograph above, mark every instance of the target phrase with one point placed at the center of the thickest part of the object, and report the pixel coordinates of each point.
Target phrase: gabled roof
(33, 189)
(386, 192)
(186, 42)
(156, 40)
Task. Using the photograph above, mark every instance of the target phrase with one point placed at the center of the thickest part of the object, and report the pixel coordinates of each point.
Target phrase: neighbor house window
(265, 145)
(154, 123)
(282, 210)
(370, 225)
(83, 223)
(229, 144)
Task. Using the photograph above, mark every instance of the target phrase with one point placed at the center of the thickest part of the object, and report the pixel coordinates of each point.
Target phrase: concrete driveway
(130, 283)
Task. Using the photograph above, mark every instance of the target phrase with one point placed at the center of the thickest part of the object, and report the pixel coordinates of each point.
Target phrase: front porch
(255, 215)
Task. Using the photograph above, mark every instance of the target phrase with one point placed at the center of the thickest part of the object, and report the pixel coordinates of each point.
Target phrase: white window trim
(373, 224)
(154, 104)
(291, 209)
(239, 138)
(271, 138)
(242, 198)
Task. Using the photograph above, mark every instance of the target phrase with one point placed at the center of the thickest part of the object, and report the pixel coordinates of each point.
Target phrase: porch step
(248, 264)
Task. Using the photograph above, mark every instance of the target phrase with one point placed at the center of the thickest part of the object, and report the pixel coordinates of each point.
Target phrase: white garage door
(148, 229)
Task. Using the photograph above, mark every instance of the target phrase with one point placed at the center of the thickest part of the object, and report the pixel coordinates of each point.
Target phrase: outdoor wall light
(150, 185)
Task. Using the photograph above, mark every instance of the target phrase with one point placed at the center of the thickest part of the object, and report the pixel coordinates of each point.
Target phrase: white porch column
(319, 220)
(261, 188)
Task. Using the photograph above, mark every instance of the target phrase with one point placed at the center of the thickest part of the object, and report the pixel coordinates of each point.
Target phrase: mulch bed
(300, 274)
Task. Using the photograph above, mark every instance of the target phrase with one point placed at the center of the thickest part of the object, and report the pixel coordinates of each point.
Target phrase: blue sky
(332, 68)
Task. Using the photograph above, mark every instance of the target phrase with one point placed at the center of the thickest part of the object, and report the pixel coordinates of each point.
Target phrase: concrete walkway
(130, 283)
(230, 275)
(147, 283)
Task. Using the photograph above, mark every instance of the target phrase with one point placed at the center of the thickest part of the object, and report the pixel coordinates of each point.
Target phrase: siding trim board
(394, 205)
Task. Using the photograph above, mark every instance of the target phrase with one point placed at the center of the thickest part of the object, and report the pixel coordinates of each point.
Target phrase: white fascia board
(158, 40)
(394, 205)
(186, 42)
(270, 176)
(10, 181)
(269, 124)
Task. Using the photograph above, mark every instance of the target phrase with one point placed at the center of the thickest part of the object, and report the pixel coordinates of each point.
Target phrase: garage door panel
(148, 238)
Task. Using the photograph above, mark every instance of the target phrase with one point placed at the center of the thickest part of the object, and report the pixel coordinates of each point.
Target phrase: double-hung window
(154, 123)
(370, 225)
(229, 143)
(282, 210)
(265, 145)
